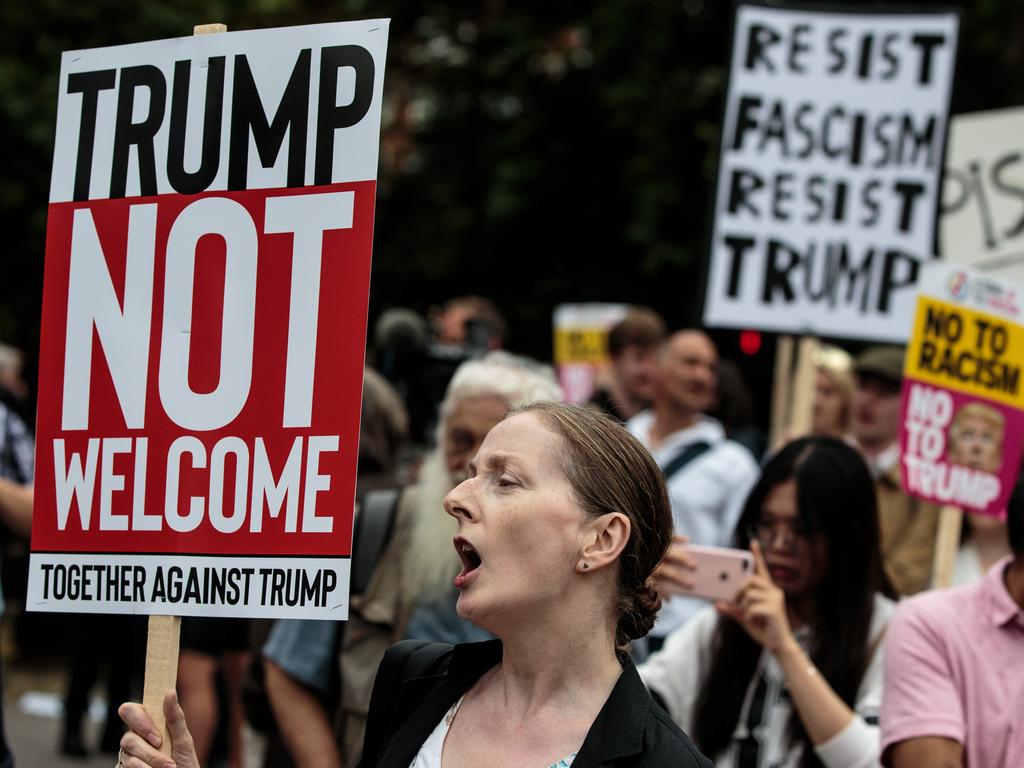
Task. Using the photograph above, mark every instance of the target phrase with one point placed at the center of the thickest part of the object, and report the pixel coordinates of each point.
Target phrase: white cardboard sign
(982, 224)
(828, 184)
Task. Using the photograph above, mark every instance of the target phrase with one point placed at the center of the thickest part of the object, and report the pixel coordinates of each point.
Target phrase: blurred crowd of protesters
(791, 674)
(418, 355)
(17, 464)
(626, 386)
(708, 475)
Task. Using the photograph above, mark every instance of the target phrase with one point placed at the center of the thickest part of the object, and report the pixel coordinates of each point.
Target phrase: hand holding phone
(718, 573)
(760, 608)
(674, 574)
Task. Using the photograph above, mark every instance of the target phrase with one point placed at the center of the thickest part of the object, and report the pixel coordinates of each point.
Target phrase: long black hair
(836, 500)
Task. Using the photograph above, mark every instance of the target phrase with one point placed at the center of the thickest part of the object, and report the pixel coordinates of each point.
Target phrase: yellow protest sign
(581, 345)
(973, 352)
(962, 420)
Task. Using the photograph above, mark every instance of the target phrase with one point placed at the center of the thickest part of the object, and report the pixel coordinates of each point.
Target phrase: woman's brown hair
(610, 471)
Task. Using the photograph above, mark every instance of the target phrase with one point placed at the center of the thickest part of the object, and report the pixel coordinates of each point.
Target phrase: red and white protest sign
(204, 321)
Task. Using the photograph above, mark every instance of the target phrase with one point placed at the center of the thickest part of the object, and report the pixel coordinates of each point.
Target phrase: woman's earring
(585, 566)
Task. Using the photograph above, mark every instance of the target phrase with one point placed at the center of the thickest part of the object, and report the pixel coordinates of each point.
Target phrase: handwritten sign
(982, 225)
(828, 181)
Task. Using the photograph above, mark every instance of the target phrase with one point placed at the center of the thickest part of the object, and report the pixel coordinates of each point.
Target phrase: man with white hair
(410, 593)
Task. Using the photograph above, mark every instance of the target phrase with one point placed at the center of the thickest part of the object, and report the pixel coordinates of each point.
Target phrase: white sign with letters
(828, 183)
(983, 194)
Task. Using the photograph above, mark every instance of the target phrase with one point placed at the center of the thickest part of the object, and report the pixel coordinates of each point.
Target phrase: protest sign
(581, 346)
(962, 421)
(982, 223)
(828, 182)
(204, 321)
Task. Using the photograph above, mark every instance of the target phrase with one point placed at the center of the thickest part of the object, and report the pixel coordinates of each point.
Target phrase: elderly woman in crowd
(562, 520)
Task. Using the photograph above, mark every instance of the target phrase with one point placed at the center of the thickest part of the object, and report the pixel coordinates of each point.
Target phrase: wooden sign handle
(800, 410)
(782, 386)
(161, 671)
(947, 544)
(209, 29)
(793, 389)
(165, 631)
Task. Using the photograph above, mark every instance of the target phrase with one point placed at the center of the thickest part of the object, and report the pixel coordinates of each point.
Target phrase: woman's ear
(603, 541)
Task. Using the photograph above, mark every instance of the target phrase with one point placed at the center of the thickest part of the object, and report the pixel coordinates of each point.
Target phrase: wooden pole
(165, 631)
(782, 386)
(803, 388)
(161, 671)
(947, 544)
(793, 388)
(209, 29)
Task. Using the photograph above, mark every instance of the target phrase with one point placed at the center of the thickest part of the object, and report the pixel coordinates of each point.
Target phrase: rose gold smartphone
(720, 572)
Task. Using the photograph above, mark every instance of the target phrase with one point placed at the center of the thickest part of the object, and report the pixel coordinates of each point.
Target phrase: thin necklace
(453, 711)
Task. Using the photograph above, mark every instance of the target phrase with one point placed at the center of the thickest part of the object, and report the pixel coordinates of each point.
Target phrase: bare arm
(821, 710)
(932, 751)
(761, 609)
(16, 506)
(301, 719)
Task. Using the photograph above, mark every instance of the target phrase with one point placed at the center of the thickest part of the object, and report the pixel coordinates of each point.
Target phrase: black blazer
(418, 682)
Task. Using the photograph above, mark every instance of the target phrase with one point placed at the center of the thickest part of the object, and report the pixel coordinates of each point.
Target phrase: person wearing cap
(908, 525)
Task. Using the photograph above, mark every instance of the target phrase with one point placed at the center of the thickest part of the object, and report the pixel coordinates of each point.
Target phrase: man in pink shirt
(954, 669)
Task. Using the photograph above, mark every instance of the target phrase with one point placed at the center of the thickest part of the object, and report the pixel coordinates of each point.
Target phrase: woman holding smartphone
(790, 673)
(562, 520)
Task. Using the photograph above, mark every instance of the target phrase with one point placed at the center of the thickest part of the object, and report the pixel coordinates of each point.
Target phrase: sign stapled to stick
(204, 321)
(828, 181)
(962, 426)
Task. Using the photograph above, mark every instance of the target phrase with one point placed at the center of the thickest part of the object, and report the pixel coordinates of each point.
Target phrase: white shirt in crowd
(678, 671)
(707, 494)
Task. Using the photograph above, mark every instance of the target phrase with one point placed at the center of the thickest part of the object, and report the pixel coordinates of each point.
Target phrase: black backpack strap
(407, 660)
(685, 456)
(372, 531)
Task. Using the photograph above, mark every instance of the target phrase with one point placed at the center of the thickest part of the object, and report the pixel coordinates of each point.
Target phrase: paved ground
(33, 710)
(32, 714)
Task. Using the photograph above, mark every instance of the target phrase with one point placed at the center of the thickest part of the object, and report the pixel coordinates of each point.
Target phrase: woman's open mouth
(471, 561)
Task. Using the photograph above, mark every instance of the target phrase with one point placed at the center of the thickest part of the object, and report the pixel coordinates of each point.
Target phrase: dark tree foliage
(535, 152)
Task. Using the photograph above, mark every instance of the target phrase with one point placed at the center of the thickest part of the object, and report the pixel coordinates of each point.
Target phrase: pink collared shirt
(954, 667)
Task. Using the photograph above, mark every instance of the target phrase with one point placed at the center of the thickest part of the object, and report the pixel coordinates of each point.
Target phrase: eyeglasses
(792, 536)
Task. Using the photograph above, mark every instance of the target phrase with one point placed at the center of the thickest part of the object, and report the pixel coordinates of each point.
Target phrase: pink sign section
(959, 449)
